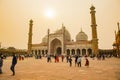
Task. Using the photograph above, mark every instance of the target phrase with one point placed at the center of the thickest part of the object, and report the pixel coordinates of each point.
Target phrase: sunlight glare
(50, 13)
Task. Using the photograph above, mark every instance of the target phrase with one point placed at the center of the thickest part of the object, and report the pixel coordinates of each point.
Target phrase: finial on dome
(63, 25)
(31, 21)
(48, 30)
(115, 33)
(92, 7)
(81, 29)
(118, 26)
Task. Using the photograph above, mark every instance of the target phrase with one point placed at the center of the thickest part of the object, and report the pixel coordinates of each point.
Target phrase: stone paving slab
(39, 69)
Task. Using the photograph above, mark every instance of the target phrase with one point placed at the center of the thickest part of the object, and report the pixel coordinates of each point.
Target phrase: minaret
(94, 31)
(118, 26)
(115, 35)
(63, 39)
(118, 40)
(48, 42)
(30, 36)
(0, 44)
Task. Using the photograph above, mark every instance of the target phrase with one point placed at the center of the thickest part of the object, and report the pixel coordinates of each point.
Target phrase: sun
(50, 13)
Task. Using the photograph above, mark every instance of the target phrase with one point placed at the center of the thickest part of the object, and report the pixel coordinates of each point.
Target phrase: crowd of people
(76, 59)
(69, 59)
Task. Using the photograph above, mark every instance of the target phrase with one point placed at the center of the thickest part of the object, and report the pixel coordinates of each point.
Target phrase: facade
(60, 42)
(116, 44)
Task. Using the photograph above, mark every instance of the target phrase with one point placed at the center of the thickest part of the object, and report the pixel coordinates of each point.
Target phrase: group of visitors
(21, 57)
(38, 56)
(56, 58)
(101, 56)
(12, 67)
(69, 60)
(78, 61)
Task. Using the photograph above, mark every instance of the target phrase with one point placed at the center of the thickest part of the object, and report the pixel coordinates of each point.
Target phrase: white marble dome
(67, 34)
(44, 39)
(81, 36)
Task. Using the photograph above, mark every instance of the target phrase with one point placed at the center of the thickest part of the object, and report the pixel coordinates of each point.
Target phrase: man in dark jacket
(14, 62)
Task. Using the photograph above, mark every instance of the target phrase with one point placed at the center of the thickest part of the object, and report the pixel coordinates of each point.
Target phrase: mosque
(116, 44)
(60, 42)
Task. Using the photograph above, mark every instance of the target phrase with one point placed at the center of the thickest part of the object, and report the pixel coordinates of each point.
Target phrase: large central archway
(55, 47)
(58, 51)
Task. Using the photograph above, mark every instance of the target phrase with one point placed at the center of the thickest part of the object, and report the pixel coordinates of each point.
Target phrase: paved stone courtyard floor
(39, 69)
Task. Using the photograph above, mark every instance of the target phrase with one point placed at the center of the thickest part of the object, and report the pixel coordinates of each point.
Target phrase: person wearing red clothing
(87, 62)
(62, 58)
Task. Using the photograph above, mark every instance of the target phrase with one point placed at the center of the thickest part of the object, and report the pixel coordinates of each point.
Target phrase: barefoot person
(14, 62)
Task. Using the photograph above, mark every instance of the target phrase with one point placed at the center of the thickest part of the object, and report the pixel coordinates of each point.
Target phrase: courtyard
(39, 69)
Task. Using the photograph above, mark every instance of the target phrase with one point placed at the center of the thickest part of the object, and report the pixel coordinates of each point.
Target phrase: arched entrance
(35, 52)
(55, 47)
(78, 52)
(46, 51)
(73, 52)
(68, 51)
(39, 52)
(43, 53)
(58, 51)
(89, 52)
(83, 52)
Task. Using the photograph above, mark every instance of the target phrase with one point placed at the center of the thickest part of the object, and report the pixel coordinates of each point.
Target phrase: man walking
(1, 64)
(14, 62)
(70, 61)
(76, 57)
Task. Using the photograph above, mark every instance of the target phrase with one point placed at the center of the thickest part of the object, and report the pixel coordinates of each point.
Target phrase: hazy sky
(15, 16)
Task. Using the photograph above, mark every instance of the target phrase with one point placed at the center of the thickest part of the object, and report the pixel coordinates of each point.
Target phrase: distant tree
(11, 48)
